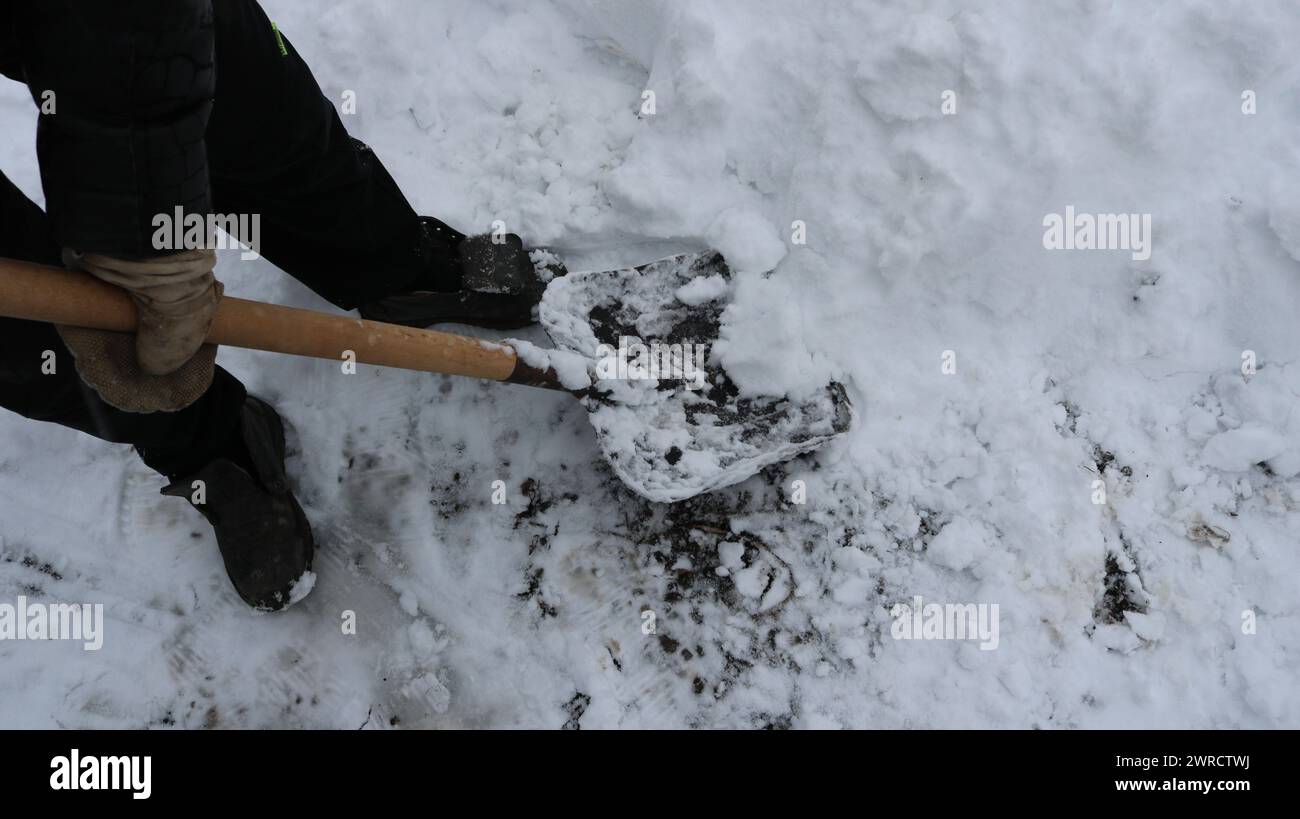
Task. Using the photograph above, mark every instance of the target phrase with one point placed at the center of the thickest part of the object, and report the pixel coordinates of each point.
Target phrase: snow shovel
(631, 345)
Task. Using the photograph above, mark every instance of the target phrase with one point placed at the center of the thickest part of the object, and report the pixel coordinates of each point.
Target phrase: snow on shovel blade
(682, 429)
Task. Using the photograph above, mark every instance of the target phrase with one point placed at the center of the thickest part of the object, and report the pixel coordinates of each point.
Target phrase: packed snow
(1106, 448)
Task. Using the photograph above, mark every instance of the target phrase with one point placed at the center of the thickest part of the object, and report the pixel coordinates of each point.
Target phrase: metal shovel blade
(669, 420)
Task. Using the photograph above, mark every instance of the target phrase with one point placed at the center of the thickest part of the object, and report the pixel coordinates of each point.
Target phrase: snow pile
(1103, 447)
(669, 420)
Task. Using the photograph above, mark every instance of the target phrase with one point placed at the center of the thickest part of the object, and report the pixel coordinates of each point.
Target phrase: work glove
(165, 366)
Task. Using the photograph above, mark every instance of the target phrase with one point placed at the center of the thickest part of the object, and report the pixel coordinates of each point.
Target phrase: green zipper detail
(284, 52)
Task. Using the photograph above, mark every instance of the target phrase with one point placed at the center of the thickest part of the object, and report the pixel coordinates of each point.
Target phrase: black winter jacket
(132, 84)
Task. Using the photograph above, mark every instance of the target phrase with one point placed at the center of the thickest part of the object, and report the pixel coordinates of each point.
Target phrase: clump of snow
(730, 553)
(747, 239)
(959, 544)
(1237, 450)
(702, 290)
(302, 587)
(545, 263)
(1263, 427)
(573, 369)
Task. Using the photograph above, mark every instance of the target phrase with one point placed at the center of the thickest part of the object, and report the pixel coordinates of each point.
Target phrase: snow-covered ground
(924, 254)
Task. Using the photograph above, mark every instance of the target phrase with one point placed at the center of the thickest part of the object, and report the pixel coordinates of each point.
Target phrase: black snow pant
(331, 216)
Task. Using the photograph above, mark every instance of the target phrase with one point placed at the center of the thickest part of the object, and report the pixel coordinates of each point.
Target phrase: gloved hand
(165, 366)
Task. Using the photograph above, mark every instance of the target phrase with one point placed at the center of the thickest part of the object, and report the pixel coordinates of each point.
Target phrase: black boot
(264, 536)
(496, 285)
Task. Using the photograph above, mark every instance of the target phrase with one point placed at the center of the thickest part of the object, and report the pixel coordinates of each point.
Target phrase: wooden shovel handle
(40, 293)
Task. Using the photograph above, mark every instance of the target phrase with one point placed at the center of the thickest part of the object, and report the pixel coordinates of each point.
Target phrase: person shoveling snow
(156, 111)
(207, 107)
